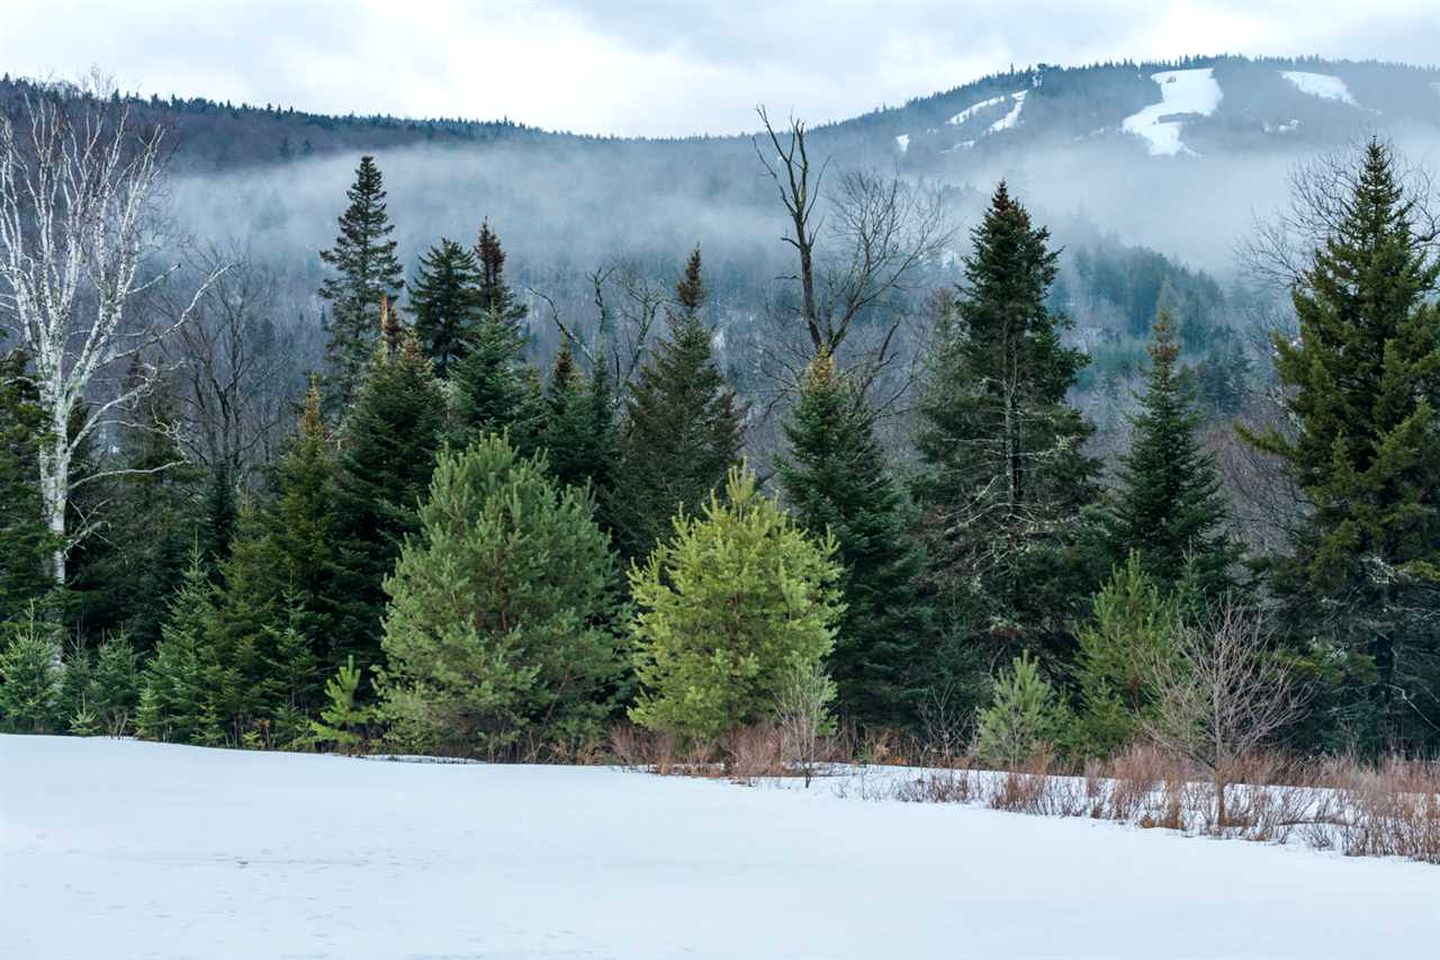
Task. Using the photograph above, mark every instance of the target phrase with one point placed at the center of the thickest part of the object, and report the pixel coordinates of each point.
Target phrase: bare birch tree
(78, 181)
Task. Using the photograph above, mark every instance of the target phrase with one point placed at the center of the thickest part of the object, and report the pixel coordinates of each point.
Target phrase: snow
(1182, 92)
(903, 142)
(1010, 119)
(121, 849)
(1321, 85)
(973, 109)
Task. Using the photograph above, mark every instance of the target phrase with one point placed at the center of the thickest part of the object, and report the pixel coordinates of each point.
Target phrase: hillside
(187, 852)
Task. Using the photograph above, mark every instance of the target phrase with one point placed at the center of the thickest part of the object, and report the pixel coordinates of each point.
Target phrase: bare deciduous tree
(802, 712)
(1221, 694)
(77, 187)
(863, 246)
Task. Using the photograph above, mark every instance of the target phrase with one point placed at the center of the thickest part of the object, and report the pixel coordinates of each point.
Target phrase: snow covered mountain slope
(120, 850)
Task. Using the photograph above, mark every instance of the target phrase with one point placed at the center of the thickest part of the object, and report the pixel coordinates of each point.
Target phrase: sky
(654, 67)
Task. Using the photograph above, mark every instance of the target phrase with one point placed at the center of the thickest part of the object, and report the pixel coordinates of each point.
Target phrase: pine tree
(1025, 720)
(24, 539)
(389, 443)
(1168, 509)
(728, 607)
(1362, 385)
(578, 432)
(1135, 620)
(343, 720)
(446, 301)
(681, 430)
(1004, 477)
(367, 269)
(836, 478)
(498, 625)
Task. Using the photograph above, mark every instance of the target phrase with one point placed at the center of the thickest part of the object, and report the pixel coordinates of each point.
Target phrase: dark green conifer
(445, 300)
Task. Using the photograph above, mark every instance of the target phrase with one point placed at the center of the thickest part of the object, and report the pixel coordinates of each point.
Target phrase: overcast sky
(654, 67)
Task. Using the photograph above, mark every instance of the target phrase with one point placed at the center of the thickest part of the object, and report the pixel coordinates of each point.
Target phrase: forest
(914, 504)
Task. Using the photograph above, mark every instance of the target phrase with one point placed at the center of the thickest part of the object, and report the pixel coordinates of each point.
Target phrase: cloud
(654, 67)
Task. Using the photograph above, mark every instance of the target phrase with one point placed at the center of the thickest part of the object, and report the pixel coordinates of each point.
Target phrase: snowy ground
(115, 850)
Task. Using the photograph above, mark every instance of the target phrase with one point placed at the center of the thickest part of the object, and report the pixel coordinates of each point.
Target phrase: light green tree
(734, 602)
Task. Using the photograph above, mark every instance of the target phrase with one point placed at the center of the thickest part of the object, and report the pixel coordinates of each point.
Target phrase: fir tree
(178, 695)
(728, 607)
(30, 676)
(1362, 385)
(1004, 478)
(498, 625)
(681, 431)
(446, 301)
(836, 479)
(1168, 509)
(389, 444)
(366, 269)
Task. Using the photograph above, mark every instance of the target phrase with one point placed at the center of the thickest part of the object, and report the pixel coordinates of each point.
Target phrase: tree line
(455, 551)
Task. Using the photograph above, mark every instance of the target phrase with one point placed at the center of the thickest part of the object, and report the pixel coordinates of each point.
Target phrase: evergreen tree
(1132, 632)
(1004, 479)
(734, 602)
(681, 431)
(30, 676)
(24, 539)
(578, 432)
(366, 271)
(494, 390)
(496, 297)
(150, 524)
(498, 621)
(177, 699)
(389, 444)
(1362, 385)
(343, 720)
(445, 300)
(1025, 720)
(280, 580)
(1168, 509)
(836, 479)
(114, 691)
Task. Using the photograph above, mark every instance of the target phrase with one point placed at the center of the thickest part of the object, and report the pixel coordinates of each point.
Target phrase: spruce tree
(1168, 509)
(1004, 479)
(388, 448)
(681, 430)
(366, 270)
(183, 680)
(836, 478)
(493, 389)
(24, 538)
(495, 294)
(30, 676)
(1362, 383)
(498, 624)
(729, 607)
(446, 302)
(280, 578)
(578, 432)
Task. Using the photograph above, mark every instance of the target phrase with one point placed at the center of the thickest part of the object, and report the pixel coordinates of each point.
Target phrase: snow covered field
(115, 849)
